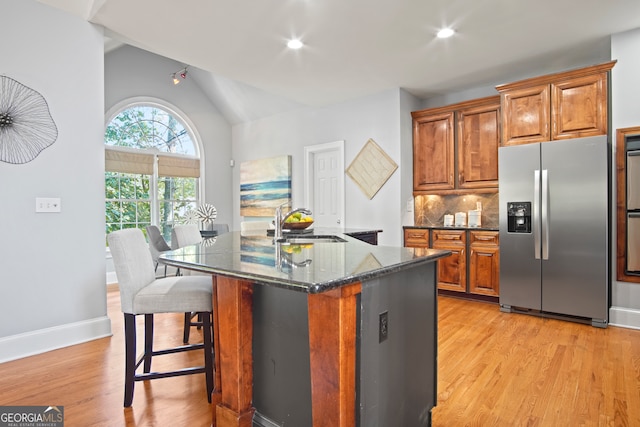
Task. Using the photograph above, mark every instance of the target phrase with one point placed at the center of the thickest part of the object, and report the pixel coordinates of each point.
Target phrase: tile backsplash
(430, 210)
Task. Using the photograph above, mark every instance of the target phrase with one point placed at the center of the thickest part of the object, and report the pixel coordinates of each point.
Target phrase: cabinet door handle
(448, 237)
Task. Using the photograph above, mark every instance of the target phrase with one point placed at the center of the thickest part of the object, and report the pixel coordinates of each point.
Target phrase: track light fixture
(179, 75)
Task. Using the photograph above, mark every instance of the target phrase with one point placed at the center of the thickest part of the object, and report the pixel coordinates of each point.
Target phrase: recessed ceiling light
(294, 44)
(444, 33)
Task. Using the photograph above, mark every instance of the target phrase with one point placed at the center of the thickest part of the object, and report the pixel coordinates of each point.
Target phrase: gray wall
(135, 73)
(625, 113)
(52, 287)
(377, 117)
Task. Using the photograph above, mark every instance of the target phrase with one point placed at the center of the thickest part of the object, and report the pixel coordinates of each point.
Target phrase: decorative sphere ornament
(207, 213)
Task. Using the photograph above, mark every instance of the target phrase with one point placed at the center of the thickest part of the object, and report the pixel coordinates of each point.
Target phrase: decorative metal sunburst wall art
(26, 125)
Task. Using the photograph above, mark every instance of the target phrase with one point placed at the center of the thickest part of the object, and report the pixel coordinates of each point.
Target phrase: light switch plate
(48, 204)
(410, 205)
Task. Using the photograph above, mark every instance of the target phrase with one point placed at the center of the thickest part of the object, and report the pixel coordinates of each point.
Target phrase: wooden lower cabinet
(416, 237)
(473, 269)
(484, 263)
(452, 270)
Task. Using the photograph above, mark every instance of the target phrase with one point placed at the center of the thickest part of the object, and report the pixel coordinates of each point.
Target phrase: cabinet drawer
(484, 238)
(416, 237)
(449, 237)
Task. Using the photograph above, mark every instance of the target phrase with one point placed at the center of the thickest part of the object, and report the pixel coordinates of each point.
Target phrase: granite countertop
(442, 227)
(310, 268)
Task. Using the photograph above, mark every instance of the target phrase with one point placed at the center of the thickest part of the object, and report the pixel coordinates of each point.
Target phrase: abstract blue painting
(265, 184)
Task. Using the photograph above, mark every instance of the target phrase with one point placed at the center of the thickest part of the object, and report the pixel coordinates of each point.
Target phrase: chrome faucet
(280, 219)
(284, 260)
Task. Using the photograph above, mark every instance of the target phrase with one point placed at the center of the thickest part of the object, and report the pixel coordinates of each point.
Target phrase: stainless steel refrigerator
(554, 229)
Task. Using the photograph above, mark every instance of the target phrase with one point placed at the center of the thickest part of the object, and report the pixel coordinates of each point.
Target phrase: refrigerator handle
(536, 213)
(545, 214)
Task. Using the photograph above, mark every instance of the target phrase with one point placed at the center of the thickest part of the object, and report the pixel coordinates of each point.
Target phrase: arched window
(152, 169)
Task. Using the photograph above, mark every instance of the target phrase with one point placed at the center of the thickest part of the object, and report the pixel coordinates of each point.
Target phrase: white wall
(377, 117)
(52, 270)
(625, 113)
(132, 72)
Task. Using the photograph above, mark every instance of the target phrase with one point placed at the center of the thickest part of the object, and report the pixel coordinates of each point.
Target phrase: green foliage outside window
(128, 203)
(128, 197)
(145, 127)
(176, 196)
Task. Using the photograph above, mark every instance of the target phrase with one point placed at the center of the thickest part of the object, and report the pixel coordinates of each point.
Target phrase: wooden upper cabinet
(579, 107)
(478, 140)
(565, 105)
(525, 115)
(433, 152)
(455, 148)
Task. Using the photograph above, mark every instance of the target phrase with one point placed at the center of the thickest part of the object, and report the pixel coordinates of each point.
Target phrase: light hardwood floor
(495, 369)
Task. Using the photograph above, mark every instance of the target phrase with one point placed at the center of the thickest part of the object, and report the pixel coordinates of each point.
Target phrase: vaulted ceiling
(357, 47)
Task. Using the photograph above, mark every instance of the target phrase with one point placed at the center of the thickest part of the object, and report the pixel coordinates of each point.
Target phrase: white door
(324, 183)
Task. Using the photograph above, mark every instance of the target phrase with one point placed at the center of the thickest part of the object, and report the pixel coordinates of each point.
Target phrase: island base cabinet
(329, 359)
(281, 393)
(397, 371)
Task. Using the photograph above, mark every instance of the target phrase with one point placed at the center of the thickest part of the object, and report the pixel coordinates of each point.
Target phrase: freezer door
(520, 271)
(575, 278)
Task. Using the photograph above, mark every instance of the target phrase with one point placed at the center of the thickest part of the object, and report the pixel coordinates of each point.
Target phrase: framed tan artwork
(371, 168)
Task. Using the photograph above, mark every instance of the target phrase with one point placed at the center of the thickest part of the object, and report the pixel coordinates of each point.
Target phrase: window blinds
(178, 166)
(142, 163)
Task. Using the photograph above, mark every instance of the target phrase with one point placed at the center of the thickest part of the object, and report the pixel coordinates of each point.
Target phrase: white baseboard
(624, 317)
(111, 277)
(43, 340)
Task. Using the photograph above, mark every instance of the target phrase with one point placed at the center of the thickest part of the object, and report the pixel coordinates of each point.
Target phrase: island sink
(306, 240)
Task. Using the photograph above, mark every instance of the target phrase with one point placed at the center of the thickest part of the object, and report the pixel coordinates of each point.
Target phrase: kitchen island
(319, 332)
